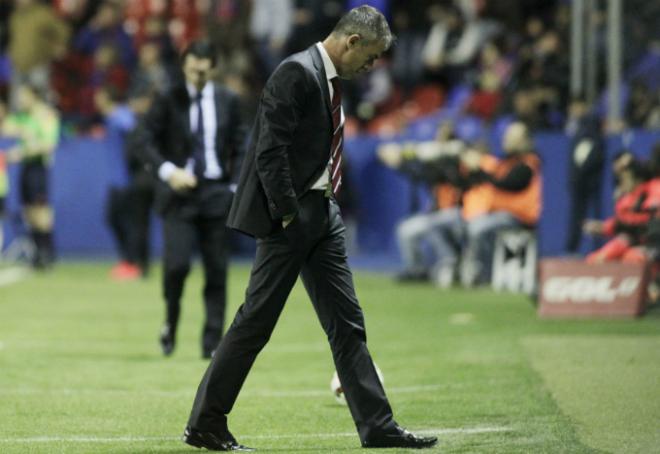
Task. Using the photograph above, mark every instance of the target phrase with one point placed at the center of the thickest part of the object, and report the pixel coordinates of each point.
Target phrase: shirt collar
(207, 90)
(330, 70)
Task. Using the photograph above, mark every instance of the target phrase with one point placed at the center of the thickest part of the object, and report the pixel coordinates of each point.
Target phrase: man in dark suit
(192, 138)
(286, 199)
(587, 159)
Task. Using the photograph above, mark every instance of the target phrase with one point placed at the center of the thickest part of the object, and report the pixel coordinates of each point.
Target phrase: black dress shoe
(212, 441)
(400, 438)
(167, 340)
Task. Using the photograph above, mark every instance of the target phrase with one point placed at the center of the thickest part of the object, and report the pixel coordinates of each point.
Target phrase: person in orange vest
(515, 200)
(436, 164)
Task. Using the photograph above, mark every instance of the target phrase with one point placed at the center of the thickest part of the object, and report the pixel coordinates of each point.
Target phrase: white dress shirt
(213, 170)
(330, 72)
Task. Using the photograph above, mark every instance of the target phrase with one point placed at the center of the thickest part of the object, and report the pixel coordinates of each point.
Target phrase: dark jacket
(164, 135)
(289, 146)
(588, 173)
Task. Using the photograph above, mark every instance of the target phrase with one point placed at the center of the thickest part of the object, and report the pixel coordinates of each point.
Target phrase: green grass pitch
(81, 371)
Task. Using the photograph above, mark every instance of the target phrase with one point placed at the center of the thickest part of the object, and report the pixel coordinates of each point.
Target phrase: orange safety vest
(478, 200)
(526, 204)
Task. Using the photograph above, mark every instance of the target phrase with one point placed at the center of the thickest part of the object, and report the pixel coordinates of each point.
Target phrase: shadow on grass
(258, 449)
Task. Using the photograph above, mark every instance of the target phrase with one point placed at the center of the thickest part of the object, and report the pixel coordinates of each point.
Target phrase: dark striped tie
(200, 149)
(337, 137)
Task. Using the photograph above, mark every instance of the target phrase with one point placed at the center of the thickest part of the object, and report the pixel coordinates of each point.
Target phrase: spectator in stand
(186, 20)
(108, 69)
(151, 72)
(526, 109)
(105, 71)
(154, 31)
(452, 44)
(312, 21)
(37, 37)
(641, 22)
(77, 12)
(369, 96)
(270, 26)
(587, 156)
(411, 24)
(36, 125)
(227, 24)
(643, 108)
(516, 200)
(540, 80)
(106, 29)
(647, 70)
(493, 74)
(485, 100)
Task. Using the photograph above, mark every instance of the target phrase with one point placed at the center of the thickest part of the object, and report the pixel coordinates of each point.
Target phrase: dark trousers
(128, 213)
(181, 235)
(314, 247)
(142, 195)
(119, 218)
(584, 198)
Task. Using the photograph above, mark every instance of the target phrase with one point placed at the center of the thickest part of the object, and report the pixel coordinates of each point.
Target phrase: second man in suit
(192, 139)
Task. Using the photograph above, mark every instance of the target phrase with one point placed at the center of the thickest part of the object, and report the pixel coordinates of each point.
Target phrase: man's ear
(353, 40)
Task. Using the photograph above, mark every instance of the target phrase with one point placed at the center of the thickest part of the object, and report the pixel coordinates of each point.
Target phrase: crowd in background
(508, 58)
(100, 63)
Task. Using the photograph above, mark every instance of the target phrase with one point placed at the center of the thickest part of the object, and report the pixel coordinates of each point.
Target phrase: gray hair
(367, 22)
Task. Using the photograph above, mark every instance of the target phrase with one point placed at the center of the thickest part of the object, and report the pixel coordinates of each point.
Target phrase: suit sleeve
(518, 178)
(144, 140)
(282, 104)
(595, 159)
(238, 139)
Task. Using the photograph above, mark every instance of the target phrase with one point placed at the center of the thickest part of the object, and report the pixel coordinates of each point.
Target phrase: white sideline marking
(132, 439)
(461, 318)
(12, 275)
(187, 392)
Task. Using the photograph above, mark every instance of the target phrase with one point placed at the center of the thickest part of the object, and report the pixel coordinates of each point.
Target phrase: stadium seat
(515, 261)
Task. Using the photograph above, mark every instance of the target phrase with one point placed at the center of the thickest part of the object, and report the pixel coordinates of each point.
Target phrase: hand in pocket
(296, 231)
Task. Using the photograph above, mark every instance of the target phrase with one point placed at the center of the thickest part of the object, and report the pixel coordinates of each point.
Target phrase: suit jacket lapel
(321, 76)
(220, 117)
(183, 100)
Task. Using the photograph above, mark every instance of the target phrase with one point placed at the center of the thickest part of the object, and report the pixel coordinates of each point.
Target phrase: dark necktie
(198, 155)
(337, 137)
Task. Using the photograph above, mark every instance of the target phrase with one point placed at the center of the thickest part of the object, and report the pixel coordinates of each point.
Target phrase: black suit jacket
(587, 176)
(164, 135)
(289, 146)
